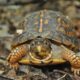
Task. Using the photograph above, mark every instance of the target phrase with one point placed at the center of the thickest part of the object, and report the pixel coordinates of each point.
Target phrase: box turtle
(45, 42)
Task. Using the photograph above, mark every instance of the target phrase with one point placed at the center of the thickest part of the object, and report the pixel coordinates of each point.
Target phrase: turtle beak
(39, 48)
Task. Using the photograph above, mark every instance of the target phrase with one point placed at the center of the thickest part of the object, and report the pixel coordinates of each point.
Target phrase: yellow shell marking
(41, 21)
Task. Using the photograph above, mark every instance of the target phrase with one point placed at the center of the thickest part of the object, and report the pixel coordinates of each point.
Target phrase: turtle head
(40, 48)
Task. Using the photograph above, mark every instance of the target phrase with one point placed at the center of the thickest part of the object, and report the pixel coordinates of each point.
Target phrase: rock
(4, 78)
(60, 75)
(11, 74)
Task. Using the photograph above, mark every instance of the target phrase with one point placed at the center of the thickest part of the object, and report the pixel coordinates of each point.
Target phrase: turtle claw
(14, 66)
(75, 71)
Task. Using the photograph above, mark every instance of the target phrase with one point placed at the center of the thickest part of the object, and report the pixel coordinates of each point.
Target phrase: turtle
(44, 41)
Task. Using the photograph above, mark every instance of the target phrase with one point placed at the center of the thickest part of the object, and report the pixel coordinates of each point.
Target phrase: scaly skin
(15, 55)
(73, 59)
(19, 52)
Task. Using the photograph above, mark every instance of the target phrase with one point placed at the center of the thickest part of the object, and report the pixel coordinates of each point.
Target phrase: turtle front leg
(73, 58)
(15, 55)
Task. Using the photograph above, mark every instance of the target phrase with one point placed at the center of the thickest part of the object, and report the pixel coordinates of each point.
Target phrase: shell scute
(56, 28)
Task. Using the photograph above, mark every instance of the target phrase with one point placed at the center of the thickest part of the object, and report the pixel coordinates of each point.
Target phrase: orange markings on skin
(17, 54)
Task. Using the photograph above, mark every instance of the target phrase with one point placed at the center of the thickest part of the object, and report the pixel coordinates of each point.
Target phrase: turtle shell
(46, 24)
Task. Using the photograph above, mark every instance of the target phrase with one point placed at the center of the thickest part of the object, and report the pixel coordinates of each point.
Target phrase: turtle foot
(14, 66)
(76, 71)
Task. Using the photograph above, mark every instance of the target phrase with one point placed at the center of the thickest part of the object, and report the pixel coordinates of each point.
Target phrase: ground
(11, 14)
